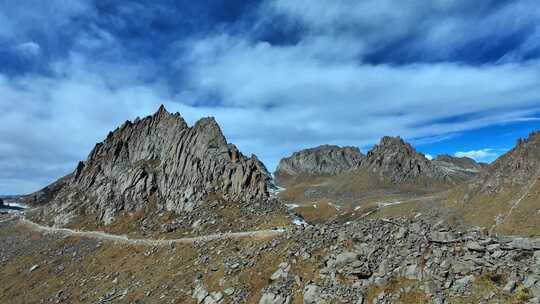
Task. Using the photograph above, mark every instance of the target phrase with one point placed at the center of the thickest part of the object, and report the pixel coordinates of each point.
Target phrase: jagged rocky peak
(321, 160)
(160, 159)
(518, 166)
(399, 161)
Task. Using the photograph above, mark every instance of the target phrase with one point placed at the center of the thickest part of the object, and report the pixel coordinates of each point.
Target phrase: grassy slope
(356, 192)
(482, 209)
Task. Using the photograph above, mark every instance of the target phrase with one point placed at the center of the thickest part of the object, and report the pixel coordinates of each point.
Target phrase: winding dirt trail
(149, 242)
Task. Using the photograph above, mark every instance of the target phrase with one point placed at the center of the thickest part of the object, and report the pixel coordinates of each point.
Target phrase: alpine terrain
(164, 212)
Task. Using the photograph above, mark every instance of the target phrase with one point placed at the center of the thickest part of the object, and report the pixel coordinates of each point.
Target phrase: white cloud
(432, 28)
(28, 49)
(429, 156)
(305, 100)
(319, 90)
(50, 123)
(483, 155)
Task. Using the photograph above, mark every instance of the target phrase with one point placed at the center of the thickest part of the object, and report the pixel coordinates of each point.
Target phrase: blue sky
(457, 77)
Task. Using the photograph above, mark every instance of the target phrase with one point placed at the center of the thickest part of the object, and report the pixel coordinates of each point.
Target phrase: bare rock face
(322, 160)
(392, 159)
(161, 160)
(518, 167)
(462, 167)
(397, 160)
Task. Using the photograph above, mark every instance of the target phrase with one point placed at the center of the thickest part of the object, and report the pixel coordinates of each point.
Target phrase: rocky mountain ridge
(392, 158)
(461, 167)
(505, 196)
(516, 167)
(156, 160)
(321, 160)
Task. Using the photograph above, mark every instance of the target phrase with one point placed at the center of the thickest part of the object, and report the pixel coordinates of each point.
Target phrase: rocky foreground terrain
(369, 261)
(162, 212)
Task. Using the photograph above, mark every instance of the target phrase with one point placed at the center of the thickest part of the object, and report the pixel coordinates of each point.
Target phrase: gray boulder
(312, 294)
(270, 298)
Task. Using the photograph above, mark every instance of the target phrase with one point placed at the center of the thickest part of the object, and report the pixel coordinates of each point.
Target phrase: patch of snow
(417, 215)
(292, 206)
(277, 190)
(315, 206)
(17, 205)
(299, 222)
(386, 204)
(357, 208)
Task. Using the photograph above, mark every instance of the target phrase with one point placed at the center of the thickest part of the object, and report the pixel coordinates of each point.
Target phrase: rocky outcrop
(518, 167)
(322, 160)
(460, 167)
(159, 160)
(505, 196)
(398, 161)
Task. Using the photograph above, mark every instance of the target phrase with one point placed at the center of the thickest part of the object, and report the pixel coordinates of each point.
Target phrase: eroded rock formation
(398, 161)
(519, 167)
(159, 160)
(462, 167)
(322, 160)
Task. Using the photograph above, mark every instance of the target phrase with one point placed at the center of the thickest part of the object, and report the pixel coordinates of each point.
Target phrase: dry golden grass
(482, 209)
(93, 274)
(356, 189)
(317, 212)
(493, 283)
(415, 296)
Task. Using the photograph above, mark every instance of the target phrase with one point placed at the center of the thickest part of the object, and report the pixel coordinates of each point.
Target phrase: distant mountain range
(393, 159)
